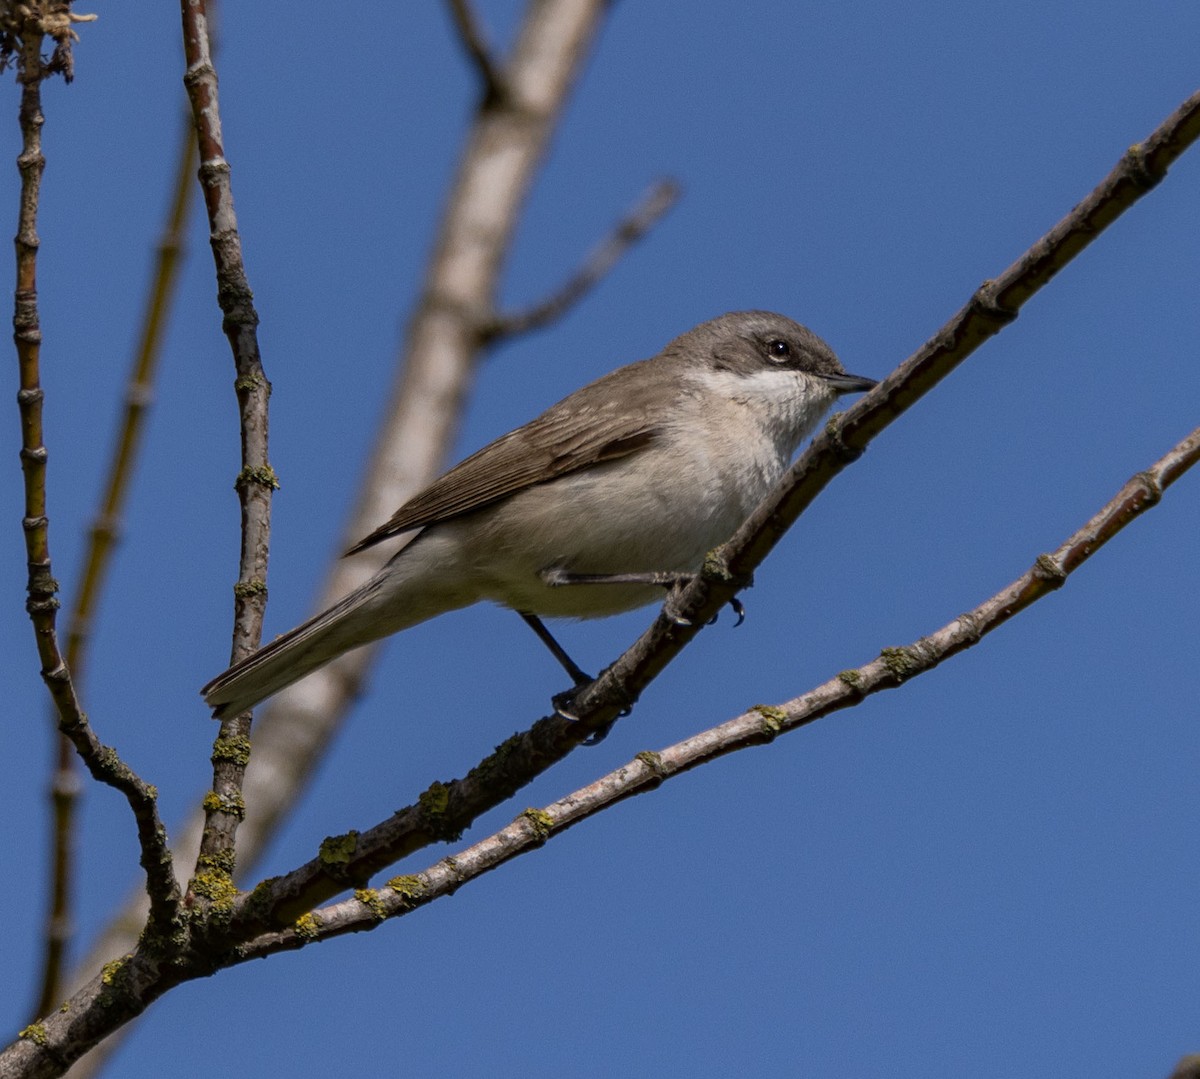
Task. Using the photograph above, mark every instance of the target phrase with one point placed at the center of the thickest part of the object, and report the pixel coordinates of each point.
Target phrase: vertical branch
(224, 807)
(445, 336)
(42, 603)
(103, 536)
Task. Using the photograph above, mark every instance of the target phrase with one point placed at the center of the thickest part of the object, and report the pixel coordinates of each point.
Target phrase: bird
(590, 508)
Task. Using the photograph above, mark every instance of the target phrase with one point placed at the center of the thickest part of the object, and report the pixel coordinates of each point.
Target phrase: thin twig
(109, 1001)
(442, 349)
(993, 306)
(757, 726)
(446, 810)
(102, 539)
(650, 208)
(225, 807)
(102, 761)
(470, 33)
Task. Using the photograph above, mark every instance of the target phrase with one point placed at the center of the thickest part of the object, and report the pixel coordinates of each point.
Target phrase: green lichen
(222, 860)
(410, 889)
(35, 1033)
(307, 926)
(256, 586)
(371, 899)
(235, 748)
(653, 761)
(259, 899)
(435, 799)
(337, 850)
(773, 718)
(434, 803)
(542, 822)
(215, 885)
(264, 476)
(250, 382)
(234, 805)
(900, 662)
(110, 971)
(851, 677)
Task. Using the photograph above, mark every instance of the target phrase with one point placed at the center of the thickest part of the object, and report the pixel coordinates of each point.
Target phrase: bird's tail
(298, 652)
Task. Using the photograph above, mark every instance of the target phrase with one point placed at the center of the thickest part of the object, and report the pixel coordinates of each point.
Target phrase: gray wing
(597, 423)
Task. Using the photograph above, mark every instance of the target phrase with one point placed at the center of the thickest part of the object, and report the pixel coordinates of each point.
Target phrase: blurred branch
(1187, 1068)
(224, 806)
(446, 810)
(451, 329)
(470, 33)
(656, 201)
(103, 536)
(757, 726)
(504, 147)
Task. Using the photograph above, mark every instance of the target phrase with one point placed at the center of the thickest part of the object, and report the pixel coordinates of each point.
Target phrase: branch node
(661, 196)
(901, 662)
(837, 445)
(987, 303)
(262, 476)
(470, 34)
(1137, 169)
(1151, 485)
(539, 821)
(773, 720)
(1047, 568)
(654, 762)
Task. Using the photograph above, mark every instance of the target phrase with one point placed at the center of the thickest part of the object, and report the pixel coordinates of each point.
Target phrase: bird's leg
(578, 675)
(562, 701)
(673, 582)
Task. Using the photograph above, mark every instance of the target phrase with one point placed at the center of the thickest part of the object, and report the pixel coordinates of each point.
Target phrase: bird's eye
(778, 351)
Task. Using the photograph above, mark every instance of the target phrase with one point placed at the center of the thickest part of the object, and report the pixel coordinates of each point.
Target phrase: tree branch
(102, 538)
(102, 761)
(225, 805)
(654, 203)
(444, 811)
(993, 306)
(759, 725)
(470, 33)
(443, 345)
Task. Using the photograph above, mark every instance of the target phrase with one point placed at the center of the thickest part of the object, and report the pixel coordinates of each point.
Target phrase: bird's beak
(850, 383)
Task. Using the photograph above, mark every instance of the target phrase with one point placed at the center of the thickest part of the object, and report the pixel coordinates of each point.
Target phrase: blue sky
(992, 869)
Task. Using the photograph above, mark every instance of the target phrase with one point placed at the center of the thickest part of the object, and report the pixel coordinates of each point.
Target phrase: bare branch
(993, 306)
(654, 203)
(498, 163)
(757, 726)
(102, 761)
(225, 807)
(470, 33)
(49, 1047)
(102, 539)
(445, 810)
